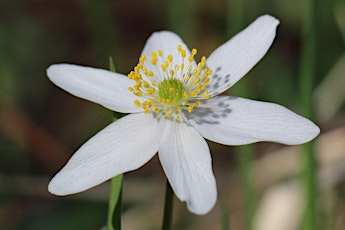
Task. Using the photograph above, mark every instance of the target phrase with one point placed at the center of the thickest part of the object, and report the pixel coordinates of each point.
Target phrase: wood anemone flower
(173, 104)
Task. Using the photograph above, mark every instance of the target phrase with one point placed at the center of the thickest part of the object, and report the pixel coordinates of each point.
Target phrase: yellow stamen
(177, 89)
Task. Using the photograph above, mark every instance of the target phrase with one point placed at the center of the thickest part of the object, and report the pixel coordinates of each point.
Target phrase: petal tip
(269, 19)
(50, 70)
(53, 188)
(203, 208)
(314, 131)
(311, 131)
(53, 71)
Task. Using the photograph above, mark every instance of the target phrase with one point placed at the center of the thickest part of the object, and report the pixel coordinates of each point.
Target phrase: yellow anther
(164, 66)
(148, 103)
(179, 47)
(194, 51)
(205, 93)
(186, 77)
(146, 111)
(149, 73)
(207, 81)
(130, 89)
(170, 58)
(160, 53)
(150, 91)
(178, 109)
(168, 115)
(199, 89)
(153, 54)
(139, 94)
(146, 84)
(192, 93)
(191, 59)
(138, 67)
(154, 61)
(137, 102)
(142, 59)
(183, 53)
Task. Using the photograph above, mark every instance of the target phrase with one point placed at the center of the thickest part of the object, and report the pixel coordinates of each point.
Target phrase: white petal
(122, 146)
(236, 121)
(231, 61)
(186, 160)
(167, 42)
(101, 86)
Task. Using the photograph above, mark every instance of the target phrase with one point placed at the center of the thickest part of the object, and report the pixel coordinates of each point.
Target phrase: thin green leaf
(115, 199)
(114, 211)
(111, 65)
(308, 72)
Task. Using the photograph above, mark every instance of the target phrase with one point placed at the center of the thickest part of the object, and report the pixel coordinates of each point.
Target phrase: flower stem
(168, 207)
(115, 204)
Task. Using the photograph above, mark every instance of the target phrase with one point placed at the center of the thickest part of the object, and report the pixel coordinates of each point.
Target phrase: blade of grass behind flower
(308, 71)
(244, 154)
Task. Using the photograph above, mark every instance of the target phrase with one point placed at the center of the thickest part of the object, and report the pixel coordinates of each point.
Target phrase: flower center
(167, 85)
(171, 90)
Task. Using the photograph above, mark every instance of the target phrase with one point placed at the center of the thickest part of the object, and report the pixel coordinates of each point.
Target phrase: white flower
(173, 106)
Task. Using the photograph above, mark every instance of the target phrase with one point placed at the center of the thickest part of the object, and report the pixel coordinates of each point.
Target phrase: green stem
(115, 199)
(308, 71)
(168, 207)
(115, 204)
(309, 164)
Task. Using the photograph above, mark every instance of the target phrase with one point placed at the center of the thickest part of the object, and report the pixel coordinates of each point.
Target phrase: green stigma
(171, 90)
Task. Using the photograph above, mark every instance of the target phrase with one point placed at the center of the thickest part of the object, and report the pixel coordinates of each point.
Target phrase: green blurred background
(41, 126)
